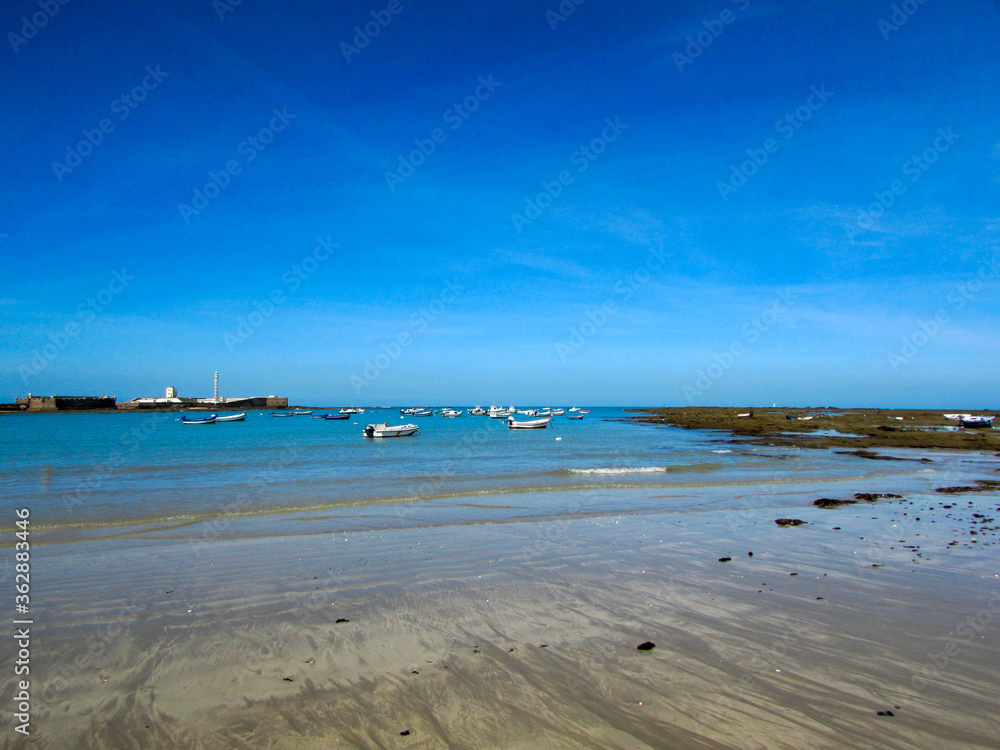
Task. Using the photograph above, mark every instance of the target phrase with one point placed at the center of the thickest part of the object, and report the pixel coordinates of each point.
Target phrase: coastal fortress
(169, 402)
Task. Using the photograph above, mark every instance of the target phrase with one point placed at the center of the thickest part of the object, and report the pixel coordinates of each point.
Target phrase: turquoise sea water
(84, 475)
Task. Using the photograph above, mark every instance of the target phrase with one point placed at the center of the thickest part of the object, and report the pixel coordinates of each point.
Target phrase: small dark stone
(793, 574)
(405, 733)
(414, 672)
(789, 522)
(288, 679)
(647, 646)
(342, 619)
(749, 554)
(544, 645)
(885, 713)
(725, 559)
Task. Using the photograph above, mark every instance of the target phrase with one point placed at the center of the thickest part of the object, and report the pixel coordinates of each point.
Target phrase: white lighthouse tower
(216, 396)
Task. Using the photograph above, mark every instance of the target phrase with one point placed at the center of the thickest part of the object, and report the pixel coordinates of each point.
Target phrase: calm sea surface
(98, 475)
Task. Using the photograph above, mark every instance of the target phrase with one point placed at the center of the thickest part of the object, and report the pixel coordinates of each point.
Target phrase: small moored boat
(451, 412)
(532, 424)
(282, 414)
(301, 412)
(336, 416)
(384, 430)
(232, 417)
(210, 419)
(970, 421)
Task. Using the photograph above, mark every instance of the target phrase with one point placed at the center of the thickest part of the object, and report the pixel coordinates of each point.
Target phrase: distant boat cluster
(541, 417)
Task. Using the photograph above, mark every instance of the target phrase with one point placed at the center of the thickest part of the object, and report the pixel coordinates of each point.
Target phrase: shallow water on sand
(88, 475)
(285, 583)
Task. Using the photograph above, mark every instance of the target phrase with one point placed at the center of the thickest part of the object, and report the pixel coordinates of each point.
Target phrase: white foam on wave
(624, 470)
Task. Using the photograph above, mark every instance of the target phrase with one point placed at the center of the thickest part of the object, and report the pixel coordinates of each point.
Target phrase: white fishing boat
(532, 424)
(956, 416)
(301, 412)
(558, 412)
(477, 411)
(451, 412)
(574, 408)
(352, 410)
(232, 417)
(422, 413)
(970, 421)
(384, 430)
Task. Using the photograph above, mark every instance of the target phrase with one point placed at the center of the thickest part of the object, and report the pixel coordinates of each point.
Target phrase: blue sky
(727, 202)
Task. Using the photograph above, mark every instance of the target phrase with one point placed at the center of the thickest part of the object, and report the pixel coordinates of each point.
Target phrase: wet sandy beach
(524, 634)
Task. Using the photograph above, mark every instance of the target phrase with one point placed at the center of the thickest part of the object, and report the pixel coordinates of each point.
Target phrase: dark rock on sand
(873, 456)
(342, 619)
(885, 713)
(982, 485)
(829, 502)
(647, 646)
(725, 559)
(405, 733)
(871, 497)
(789, 521)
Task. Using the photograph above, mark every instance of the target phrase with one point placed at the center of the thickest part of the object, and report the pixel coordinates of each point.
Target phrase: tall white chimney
(216, 387)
